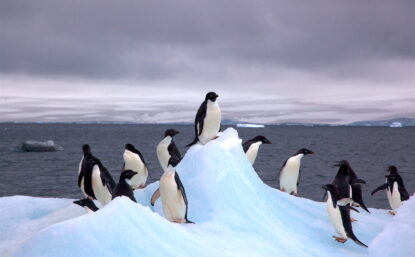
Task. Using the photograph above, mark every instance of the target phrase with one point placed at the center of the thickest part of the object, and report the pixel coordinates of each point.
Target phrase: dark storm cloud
(185, 39)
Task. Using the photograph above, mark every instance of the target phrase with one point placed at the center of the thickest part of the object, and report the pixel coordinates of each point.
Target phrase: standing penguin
(395, 189)
(87, 204)
(98, 182)
(251, 147)
(167, 148)
(354, 183)
(339, 216)
(173, 195)
(290, 172)
(207, 120)
(87, 155)
(345, 178)
(134, 160)
(123, 188)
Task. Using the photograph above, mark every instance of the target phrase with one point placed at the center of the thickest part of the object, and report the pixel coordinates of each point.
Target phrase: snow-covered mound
(235, 213)
(37, 146)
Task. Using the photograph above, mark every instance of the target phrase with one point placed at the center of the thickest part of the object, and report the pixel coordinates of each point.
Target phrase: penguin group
(343, 195)
(96, 183)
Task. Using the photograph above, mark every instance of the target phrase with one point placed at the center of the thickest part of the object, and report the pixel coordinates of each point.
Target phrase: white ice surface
(235, 213)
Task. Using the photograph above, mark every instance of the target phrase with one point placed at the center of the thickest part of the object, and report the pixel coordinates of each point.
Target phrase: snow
(235, 213)
(37, 146)
(248, 125)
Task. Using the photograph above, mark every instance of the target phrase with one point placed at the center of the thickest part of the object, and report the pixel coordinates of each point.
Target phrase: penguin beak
(267, 142)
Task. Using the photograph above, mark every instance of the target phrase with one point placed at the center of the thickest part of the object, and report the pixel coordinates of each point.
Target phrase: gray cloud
(174, 39)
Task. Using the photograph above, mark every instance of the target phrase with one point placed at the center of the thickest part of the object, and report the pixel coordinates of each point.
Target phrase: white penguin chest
(289, 174)
(394, 197)
(252, 152)
(211, 123)
(174, 207)
(162, 152)
(335, 217)
(132, 161)
(101, 191)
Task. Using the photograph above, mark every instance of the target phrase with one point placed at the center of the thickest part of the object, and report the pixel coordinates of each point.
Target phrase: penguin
(123, 188)
(173, 195)
(345, 178)
(98, 182)
(87, 155)
(88, 205)
(355, 187)
(134, 160)
(167, 148)
(339, 216)
(207, 120)
(290, 172)
(251, 147)
(395, 189)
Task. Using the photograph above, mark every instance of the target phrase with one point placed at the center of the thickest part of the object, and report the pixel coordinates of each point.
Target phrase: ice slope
(235, 213)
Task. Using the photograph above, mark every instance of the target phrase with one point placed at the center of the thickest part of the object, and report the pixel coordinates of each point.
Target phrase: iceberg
(236, 214)
(37, 146)
(248, 125)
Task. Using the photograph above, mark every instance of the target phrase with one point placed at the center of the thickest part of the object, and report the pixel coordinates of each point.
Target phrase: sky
(327, 61)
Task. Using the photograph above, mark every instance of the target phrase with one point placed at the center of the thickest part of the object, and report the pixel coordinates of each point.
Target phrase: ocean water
(54, 174)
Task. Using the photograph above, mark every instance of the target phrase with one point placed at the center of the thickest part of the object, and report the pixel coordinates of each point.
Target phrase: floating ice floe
(37, 146)
(236, 214)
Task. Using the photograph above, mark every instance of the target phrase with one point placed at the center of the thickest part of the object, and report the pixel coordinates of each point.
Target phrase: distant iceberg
(396, 124)
(248, 125)
(37, 146)
(236, 214)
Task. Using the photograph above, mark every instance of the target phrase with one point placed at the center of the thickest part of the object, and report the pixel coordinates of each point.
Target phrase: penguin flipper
(106, 178)
(401, 188)
(347, 224)
(174, 151)
(200, 117)
(155, 196)
(353, 209)
(364, 207)
(181, 188)
(382, 187)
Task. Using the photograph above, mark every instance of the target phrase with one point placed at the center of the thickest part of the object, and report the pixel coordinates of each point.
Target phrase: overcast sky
(147, 61)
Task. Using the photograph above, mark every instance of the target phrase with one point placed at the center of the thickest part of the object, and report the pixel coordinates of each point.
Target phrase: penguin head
(131, 148)
(392, 171)
(127, 174)
(304, 151)
(86, 150)
(171, 132)
(86, 202)
(332, 189)
(342, 163)
(262, 139)
(173, 161)
(211, 96)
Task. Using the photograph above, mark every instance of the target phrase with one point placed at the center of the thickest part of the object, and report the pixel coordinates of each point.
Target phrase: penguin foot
(179, 221)
(353, 220)
(340, 239)
(141, 187)
(282, 190)
(393, 213)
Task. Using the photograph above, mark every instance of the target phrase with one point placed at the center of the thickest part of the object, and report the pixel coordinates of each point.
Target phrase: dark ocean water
(54, 174)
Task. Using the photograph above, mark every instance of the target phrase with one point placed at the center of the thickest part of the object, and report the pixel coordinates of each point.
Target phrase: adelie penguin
(251, 147)
(87, 204)
(339, 215)
(349, 184)
(395, 189)
(123, 188)
(94, 179)
(134, 160)
(166, 149)
(173, 195)
(98, 182)
(290, 172)
(207, 120)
